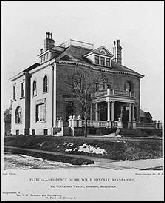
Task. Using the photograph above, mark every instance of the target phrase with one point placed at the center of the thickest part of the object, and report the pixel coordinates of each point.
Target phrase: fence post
(70, 121)
(119, 123)
(79, 120)
(134, 124)
(74, 121)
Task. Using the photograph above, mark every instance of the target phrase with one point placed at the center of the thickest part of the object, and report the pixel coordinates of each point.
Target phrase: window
(18, 115)
(108, 62)
(40, 112)
(13, 92)
(22, 90)
(34, 88)
(45, 84)
(128, 87)
(45, 131)
(102, 61)
(96, 59)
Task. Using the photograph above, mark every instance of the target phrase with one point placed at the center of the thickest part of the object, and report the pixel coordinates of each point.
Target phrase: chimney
(49, 43)
(117, 52)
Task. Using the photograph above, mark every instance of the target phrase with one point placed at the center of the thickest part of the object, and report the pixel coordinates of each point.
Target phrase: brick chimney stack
(49, 43)
(117, 52)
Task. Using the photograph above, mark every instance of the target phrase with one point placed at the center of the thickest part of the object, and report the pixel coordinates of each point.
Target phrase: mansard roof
(78, 54)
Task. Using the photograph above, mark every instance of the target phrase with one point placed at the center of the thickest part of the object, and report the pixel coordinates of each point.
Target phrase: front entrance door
(102, 111)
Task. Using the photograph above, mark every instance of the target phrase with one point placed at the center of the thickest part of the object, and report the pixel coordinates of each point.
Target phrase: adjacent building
(43, 92)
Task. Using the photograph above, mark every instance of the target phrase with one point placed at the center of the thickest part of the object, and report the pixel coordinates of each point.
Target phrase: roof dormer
(100, 56)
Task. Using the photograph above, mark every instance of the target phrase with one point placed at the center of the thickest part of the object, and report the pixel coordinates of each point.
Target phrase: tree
(82, 87)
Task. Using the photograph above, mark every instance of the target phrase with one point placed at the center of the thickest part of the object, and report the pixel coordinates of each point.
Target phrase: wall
(47, 124)
(116, 81)
(18, 102)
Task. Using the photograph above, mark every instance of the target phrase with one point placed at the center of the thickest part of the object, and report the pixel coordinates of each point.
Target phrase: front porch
(112, 108)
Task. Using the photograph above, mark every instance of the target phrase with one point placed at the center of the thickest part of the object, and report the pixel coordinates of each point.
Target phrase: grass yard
(116, 149)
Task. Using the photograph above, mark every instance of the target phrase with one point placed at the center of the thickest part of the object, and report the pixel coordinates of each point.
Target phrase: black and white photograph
(82, 99)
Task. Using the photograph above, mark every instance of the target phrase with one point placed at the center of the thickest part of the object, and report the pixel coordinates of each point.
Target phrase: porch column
(112, 111)
(133, 112)
(130, 112)
(121, 113)
(91, 112)
(108, 109)
(96, 112)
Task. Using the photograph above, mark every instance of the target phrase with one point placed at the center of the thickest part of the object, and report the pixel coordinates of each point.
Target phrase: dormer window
(108, 62)
(102, 61)
(96, 59)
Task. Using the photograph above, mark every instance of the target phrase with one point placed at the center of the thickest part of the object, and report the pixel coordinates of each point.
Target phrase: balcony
(113, 93)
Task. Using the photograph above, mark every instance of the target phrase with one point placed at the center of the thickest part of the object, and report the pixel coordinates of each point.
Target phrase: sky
(138, 24)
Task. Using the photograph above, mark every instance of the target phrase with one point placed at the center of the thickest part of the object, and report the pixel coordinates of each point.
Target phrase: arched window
(18, 114)
(45, 84)
(34, 88)
(128, 86)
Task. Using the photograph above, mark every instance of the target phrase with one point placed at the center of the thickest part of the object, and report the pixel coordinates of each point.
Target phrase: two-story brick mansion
(41, 94)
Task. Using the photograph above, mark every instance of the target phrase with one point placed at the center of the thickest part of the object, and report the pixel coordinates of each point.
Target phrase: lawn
(116, 149)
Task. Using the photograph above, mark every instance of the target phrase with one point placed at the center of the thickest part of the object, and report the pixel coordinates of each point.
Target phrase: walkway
(106, 163)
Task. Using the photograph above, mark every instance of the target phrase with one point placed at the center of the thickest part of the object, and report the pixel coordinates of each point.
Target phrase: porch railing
(113, 92)
(145, 125)
(97, 124)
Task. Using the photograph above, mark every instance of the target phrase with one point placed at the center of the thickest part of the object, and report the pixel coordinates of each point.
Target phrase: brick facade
(40, 112)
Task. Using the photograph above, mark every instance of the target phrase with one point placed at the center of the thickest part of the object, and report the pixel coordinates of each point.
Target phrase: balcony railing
(100, 93)
(119, 93)
(113, 92)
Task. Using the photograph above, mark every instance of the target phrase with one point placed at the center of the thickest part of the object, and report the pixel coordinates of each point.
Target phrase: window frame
(102, 59)
(38, 114)
(45, 85)
(34, 91)
(108, 61)
(18, 118)
(22, 90)
(98, 58)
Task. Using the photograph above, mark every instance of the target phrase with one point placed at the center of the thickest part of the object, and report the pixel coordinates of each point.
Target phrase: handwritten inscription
(46, 196)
